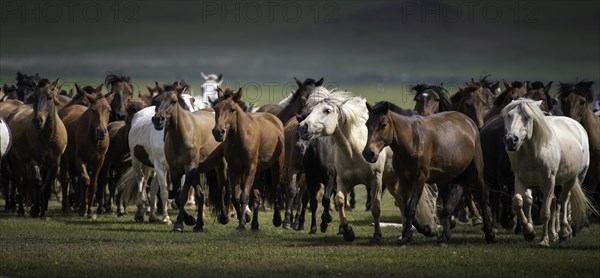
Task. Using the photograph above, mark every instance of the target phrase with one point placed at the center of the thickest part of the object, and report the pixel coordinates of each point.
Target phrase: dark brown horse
(84, 155)
(26, 85)
(294, 104)
(39, 139)
(431, 99)
(252, 143)
(538, 91)
(511, 92)
(8, 92)
(120, 89)
(190, 149)
(423, 154)
(473, 100)
(574, 100)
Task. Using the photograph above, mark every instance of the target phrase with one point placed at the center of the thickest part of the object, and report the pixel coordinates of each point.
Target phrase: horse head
(380, 130)
(44, 101)
(574, 98)
(225, 112)
(100, 110)
(122, 89)
(519, 117)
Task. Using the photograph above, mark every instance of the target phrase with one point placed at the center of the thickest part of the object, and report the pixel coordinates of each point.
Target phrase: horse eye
(173, 101)
(327, 110)
(582, 102)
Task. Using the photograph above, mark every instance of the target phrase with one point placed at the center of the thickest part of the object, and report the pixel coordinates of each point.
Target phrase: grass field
(118, 247)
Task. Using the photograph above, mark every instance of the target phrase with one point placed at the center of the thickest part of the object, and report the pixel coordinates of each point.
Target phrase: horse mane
(28, 80)
(382, 106)
(484, 82)
(292, 97)
(111, 79)
(228, 93)
(536, 85)
(582, 88)
(43, 82)
(352, 109)
(440, 91)
(529, 108)
(457, 98)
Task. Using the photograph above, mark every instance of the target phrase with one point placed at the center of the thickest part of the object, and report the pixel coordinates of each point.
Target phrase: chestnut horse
(39, 139)
(252, 143)
(423, 154)
(190, 150)
(84, 155)
(574, 100)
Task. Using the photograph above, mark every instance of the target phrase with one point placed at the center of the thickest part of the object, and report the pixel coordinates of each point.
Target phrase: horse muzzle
(303, 132)
(219, 134)
(38, 122)
(511, 142)
(158, 122)
(101, 134)
(370, 155)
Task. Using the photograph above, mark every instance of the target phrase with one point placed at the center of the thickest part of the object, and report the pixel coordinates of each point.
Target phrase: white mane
(287, 100)
(530, 109)
(352, 109)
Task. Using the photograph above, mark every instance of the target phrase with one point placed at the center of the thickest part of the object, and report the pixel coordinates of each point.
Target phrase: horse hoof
(529, 237)
(120, 214)
(152, 219)
(224, 219)
(139, 218)
(254, 225)
(189, 220)
(166, 221)
(376, 239)
(178, 227)
(564, 235)
(92, 216)
(544, 243)
(490, 238)
(477, 222)
(327, 219)
(442, 244)
(403, 242)
(348, 233)
(286, 226)
(277, 220)
(299, 228)
(313, 230)
(198, 229)
(241, 227)
(324, 227)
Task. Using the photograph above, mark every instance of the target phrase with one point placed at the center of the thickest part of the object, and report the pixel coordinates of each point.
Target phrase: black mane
(382, 106)
(440, 91)
(582, 88)
(111, 79)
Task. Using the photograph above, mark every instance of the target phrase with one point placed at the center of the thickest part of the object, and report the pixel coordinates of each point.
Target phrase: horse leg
(565, 229)
(161, 180)
(199, 194)
(375, 194)
(340, 201)
(547, 192)
(326, 217)
(528, 204)
(517, 204)
(140, 179)
(451, 195)
(49, 178)
(313, 189)
(352, 199)
(182, 216)
(291, 191)
(37, 190)
(554, 221)
(303, 200)
(154, 187)
(273, 183)
(473, 209)
(88, 197)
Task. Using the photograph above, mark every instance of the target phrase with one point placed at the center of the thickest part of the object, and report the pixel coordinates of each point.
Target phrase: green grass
(118, 247)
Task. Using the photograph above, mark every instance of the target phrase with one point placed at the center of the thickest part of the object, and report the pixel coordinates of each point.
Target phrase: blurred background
(378, 49)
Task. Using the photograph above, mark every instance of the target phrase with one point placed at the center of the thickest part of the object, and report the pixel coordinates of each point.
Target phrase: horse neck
(591, 123)
(240, 126)
(289, 111)
(51, 126)
(537, 138)
(176, 128)
(350, 138)
(405, 135)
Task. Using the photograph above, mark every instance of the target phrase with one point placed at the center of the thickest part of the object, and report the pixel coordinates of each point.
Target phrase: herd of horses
(499, 154)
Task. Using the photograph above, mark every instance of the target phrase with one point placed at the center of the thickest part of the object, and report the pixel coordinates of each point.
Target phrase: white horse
(342, 116)
(545, 152)
(5, 138)
(209, 88)
(147, 144)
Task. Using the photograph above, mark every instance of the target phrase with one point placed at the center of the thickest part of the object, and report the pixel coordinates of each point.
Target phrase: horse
(342, 117)
(511, 92)
(115, 159)
(26, 85)
(547, 152)
(39, 139)
(252, 143)
(208, 90)
(538, 91)
(431, 99)
(190, 149)
(574, 99)
(147, 149)
(5, 139)
(8, 92)
(84, 155)
(121, 90)
(423, 154)
(295, 102)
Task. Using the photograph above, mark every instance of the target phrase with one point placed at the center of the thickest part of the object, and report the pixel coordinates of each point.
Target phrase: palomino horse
(190, 149)
(39, 139)
(147, 148)
(252, 143)
(342, 117)
(545, 152)
(208, 90)
(423, 154)
(431, 99)
(574, 99)
(84, 155)
(121, 90)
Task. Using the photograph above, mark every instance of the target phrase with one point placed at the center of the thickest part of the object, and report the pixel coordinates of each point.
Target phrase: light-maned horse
(574, 100)
(252, 143)
(39, 140)
(422, 154)
(342, 117)
(147, 148)
(546, 152)
(84, 155)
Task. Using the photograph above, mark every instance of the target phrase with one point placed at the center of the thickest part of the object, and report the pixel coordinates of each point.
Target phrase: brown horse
(294, 104)
(190, 149)
(574, 100)
(39, 139)
(473, 100)
(253, 143)
(538, 91)
(511, 92)
(84, 155)
(121, 90)
(423, 154)
(430, 99)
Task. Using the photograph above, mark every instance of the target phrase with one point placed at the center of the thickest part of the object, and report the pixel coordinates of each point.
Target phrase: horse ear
(219, 93)
(547, 87)
(159, 89)
(525, 83)
(369, 107)
(203, 76)
(320, 82)
(180, 90)
(506, 84)
(99, 89)
(55, 83)
(220, 79)
(538, 103)
(237, 95)
(298, 82)
(79, 90)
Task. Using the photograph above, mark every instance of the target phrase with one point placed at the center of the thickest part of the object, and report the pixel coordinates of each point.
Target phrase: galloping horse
(252, 143)
(545, 152)
(342, 116)
(423, 154)
(574, 100)
(121, 90)
(87, 144)
(39, 140)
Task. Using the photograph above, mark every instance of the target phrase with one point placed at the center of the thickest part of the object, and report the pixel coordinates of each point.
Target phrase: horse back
(572, 139)
(269, 131)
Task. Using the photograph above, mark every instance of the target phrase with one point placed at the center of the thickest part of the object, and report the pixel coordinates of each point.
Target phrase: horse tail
(427, 207)
(581, 206)
(215, 192)
(127, 185)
